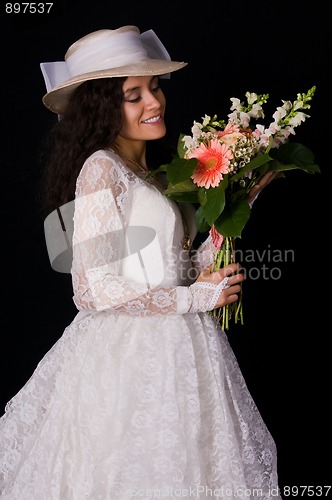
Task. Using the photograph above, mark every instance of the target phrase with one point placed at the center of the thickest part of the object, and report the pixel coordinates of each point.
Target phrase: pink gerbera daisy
(213, 162)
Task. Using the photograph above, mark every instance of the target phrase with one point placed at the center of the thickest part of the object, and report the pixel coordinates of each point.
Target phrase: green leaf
(180, 170)
(181, 149)
(292, 155)
(162, 168)
(190, 197)
(233, 219)
(201, 223)
(181, 187)
(215, 201)
(202, 196)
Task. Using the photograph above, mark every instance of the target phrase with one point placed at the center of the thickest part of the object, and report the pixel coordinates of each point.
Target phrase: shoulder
(103, 169)
(102, 162)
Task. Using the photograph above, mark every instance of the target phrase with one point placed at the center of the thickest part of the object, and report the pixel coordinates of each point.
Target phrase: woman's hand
(234, 280)
(265, 180)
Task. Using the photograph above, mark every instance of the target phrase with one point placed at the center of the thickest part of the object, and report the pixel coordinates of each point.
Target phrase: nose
(152, 101)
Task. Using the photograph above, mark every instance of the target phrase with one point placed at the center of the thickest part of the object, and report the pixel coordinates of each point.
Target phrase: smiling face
(143, 109)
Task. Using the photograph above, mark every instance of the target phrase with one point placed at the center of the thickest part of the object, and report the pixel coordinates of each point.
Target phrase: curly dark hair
(92, 121)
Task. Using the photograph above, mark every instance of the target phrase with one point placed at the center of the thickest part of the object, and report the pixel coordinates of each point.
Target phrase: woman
(142, 395)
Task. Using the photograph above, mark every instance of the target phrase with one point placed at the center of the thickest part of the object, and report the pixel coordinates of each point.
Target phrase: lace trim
(205, 295)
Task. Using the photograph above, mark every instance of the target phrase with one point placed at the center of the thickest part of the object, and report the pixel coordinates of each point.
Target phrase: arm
(204, 255)
(100, 248)
(99, 251)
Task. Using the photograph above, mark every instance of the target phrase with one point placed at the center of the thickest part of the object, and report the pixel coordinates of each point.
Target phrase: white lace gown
(138, 398)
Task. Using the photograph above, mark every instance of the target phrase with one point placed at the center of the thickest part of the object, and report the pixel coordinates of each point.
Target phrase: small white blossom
(251, 97)
(189, 142)
(206, 120)
(279, 114)
(257, 111)
(236, 104)
(298, 119)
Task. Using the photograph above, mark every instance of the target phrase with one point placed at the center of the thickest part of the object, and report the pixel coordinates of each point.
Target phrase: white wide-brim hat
(105, 54)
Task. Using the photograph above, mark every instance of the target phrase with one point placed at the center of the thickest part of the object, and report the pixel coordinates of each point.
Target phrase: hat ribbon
(142, 46)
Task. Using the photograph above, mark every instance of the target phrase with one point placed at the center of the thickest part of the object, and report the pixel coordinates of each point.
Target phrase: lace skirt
(124, 407)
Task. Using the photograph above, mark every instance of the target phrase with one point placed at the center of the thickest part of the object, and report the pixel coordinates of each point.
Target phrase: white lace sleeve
(99, 245)
(204, 255)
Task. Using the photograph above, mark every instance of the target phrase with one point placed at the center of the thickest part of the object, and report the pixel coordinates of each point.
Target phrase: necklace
(137, 165)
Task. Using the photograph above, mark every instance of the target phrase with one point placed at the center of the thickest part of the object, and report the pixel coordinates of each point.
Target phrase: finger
(228, 296)
(266, 179)
(236, 279)
(227, 271)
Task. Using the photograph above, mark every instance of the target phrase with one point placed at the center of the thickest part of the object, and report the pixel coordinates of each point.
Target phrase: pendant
(186, 243)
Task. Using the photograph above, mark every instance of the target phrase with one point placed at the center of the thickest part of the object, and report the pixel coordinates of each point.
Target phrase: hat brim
(56, 99)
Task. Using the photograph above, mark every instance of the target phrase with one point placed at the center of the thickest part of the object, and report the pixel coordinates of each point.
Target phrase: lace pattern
(100, 247)
(202, 258)
(205, 295)
(136, 396)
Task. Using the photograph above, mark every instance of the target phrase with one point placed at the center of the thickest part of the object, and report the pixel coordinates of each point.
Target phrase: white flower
(287, 105)
(251, 97)
(196, 130)
(257, 111)
(279, 114)
(236, 104)
(188, 142)
(206, 120)
(274, 128)
(244, 119)
(298, 119)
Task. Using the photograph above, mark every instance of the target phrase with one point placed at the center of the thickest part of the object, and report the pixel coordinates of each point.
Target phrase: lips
(154, 119)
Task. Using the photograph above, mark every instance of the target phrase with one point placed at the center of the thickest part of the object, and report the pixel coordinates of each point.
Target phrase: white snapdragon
(274, 128)
(251, 97)
(244, 120)
(297, 119)
(240, 118)
(284, 134)
(236, 104)
(196, 130)
(279, 114)
(262, 135)
(232, 117)
(257, 111)
(189, 142)
(285, 119)
(287, 105)
(300, 103)
(206, 121)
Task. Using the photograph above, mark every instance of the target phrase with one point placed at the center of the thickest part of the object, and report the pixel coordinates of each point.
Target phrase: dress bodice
(126, 241)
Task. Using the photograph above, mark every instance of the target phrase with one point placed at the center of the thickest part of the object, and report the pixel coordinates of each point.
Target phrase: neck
(132, 152)
(136, 163)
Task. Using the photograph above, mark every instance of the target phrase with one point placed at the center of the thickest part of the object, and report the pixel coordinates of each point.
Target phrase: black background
(231, 47)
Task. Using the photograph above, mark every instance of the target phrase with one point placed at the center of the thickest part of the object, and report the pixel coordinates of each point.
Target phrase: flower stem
(222, 258)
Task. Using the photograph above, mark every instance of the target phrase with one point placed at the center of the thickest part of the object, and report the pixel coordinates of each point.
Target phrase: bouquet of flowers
(220, 162)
